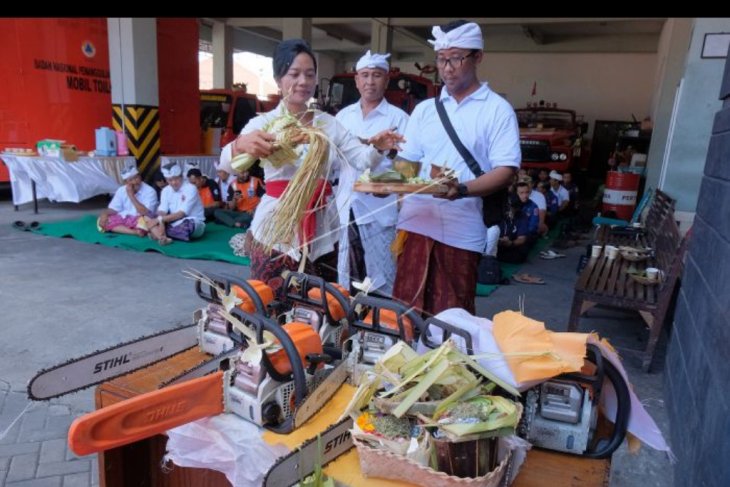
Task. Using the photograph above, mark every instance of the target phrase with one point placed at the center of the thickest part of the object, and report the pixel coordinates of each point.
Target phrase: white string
(7, 430)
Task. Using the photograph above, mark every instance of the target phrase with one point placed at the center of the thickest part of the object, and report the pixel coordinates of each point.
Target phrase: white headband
(373, 61)
(171, 170)
(129, 172)
(467, 36)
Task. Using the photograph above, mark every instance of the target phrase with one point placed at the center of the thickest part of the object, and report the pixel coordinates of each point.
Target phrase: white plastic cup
(652, 273)
(611, 252)
(596, 251)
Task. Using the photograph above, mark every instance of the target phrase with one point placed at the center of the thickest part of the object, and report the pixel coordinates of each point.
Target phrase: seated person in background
(180, 214)
(551, 203)
(543, 176)
(130, 202)
(572, 189)
(208, 190)
(539, 200)
(517, 231)
(558, 190)
(158, 182)
(244, 195)
(223, 180)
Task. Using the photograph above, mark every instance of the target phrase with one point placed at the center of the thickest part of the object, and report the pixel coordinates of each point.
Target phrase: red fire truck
(550, 137)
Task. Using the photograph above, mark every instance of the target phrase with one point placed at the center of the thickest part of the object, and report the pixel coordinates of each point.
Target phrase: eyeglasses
(454, 61)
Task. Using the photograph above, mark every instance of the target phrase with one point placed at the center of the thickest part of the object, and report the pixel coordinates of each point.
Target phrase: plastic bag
(225, 443)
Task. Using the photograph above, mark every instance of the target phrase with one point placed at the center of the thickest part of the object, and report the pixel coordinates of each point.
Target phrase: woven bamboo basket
(375, 462)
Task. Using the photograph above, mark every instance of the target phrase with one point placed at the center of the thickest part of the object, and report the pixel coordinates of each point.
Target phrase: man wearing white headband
(441, 239)
(180, 215)
(131, 202)
(368, 222)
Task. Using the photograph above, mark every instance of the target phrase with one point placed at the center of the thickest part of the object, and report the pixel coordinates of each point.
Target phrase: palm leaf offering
(410, 400)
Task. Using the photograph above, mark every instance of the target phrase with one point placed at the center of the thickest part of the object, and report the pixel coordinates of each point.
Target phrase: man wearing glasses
(440, 240)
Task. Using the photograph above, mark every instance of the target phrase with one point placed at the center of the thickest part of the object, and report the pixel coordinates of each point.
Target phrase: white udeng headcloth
(467, 36)
(373, 61)
(171, 170)
(129, 172)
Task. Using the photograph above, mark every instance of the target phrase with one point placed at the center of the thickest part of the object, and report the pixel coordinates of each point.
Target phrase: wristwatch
(462, 190)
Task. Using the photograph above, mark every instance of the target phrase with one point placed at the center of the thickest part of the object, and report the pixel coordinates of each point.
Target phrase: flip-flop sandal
(549, 254)
(34, 226)
(20, 225)
(528, 279)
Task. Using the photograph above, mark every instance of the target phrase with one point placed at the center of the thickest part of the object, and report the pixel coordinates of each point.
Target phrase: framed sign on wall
(715, 45)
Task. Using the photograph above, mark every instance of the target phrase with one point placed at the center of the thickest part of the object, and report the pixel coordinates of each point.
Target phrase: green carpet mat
(509, 270)
(213, 245)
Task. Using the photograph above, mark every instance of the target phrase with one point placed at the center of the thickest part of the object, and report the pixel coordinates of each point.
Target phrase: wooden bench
(607, 282)
(662, 206)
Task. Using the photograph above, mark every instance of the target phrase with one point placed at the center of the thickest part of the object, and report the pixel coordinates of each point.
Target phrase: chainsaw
(278, 389)
(279, 392)
(324, 305)
(562, 413)
(122, 359)
(376, 324)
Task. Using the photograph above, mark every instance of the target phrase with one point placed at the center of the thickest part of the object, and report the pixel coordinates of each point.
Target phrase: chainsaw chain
(306, 443)
(78, 359)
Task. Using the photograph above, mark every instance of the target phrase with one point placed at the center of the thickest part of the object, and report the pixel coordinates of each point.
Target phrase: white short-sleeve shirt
(487, 126)
(123, 205)
(366, 207)
(186, 199)
(562, 194)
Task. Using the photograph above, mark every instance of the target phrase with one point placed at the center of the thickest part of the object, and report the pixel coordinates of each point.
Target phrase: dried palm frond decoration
(291, 210)
(290, 134)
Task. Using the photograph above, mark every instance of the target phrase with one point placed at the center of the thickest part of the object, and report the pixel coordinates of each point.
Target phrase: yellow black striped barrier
(142, 125)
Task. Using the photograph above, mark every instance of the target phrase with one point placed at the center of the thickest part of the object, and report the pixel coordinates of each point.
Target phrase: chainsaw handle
(248, 289)
(376, 304)
(623, 412)
(301, 295)
(447, 330)
(207, 292)
(261, 324)
(147, 415)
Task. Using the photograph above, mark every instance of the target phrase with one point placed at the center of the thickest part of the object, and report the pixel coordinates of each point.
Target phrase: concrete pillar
(297, 28)
(135, 91)
(672, 57)
(690, 125)
(381, 35)
(222, 41)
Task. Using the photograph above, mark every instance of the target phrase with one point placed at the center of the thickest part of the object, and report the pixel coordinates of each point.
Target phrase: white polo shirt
(487, 126)
(185, 199)
(123, 205)
(366, 207)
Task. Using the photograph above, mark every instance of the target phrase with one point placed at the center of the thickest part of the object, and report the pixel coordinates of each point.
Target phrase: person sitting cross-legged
(518, 230)
(130, 202)
(180, 215)
(244, 195)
